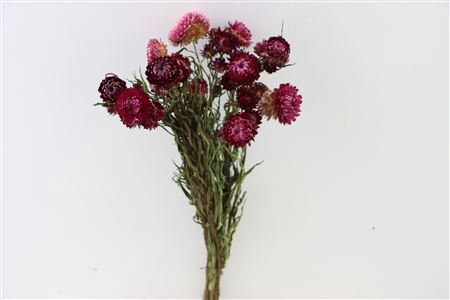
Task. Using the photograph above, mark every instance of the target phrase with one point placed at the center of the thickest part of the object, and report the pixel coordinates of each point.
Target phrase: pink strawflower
(249, 96)
(240, 32)
(243, 68)
(240, 129)
(287, 103)
(136, 109)
(190, 28)
(155, 49)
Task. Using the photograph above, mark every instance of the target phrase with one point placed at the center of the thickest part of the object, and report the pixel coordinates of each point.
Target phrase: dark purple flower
(274, 53)
(165, 72)
(109, 89)
(249, 96)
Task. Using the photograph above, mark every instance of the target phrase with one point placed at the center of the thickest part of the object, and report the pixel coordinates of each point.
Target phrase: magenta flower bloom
(287, 103)
(190, 28)
(136, 109)
(109, 89)
(156, 114)
(243, 68)
(274, 52)
(155, 49)
(240, 129)
(249, 96)
(240, 32)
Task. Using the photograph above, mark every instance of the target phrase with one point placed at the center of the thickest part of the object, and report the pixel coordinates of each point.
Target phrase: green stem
(214, 264)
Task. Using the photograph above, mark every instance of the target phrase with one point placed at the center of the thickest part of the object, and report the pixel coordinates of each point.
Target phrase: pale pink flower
(155, 49)
(190, 28)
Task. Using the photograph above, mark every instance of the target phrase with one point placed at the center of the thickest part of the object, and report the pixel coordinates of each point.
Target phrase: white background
(351, 201)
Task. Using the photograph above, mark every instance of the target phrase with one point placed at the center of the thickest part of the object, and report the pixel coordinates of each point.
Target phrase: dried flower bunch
(211, 102)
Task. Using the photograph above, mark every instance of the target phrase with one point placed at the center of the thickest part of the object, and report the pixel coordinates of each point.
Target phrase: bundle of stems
(211, 173)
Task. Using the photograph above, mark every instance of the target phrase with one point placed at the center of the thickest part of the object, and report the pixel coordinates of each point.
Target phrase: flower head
(243, 68)
(249, 96)
(155, 49)
(274, 52)
(184, 67)
(109, 89)
(136, 109)
(165, 72)
(240, 32)
(240, 129)
(157, 112)
(287, 103)
(282, 104)
(190, 28)
(220, 41)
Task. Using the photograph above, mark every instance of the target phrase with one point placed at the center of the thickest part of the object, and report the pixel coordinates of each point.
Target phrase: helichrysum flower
(240, 129)
(220, 42)
(155, 49)
(184, 67)
(274, 53)
(109, 89)
(157, 112)
(240, 32)
(249, 96)
(165, 72)
(243, 68)
(190, 28)
(136, 109)
(282, 104)
(228, 40)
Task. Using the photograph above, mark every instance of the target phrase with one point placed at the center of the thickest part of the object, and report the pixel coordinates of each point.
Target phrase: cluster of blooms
(226, 51)
(133, 105)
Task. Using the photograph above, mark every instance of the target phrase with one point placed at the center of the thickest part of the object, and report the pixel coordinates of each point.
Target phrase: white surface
(351, 201)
